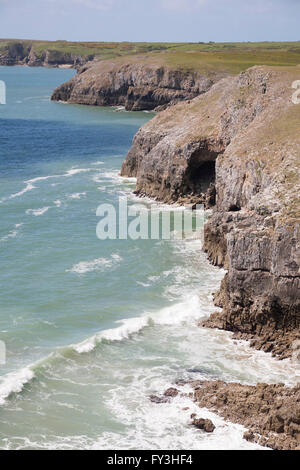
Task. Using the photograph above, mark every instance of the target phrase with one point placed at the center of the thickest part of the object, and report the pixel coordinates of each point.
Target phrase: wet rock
(157, 399)
(204, 424)
(249, 436)
(271, 413)
(171, 392)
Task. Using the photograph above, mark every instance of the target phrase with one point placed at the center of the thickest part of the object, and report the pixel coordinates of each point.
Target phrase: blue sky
(151, 20)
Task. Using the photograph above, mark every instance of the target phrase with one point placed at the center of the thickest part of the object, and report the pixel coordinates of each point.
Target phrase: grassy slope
(202, 57)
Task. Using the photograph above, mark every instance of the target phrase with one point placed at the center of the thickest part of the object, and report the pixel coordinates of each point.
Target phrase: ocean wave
(12, 233)
(98, 264)
(71, 172)
(37, 212)
(175, 314)
(113, 176)
(182, 317)
(30, 186)
(76, 195)
(14, 382)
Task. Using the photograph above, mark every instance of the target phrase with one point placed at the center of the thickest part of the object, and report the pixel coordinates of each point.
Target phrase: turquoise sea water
(92, 328)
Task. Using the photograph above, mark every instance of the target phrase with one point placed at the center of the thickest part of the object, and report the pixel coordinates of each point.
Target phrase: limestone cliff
(241, 141)
(133, 84)
(22, 53)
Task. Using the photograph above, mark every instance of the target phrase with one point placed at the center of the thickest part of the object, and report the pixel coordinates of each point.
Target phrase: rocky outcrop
(22, 53)
(271, 413)
(136, 86)
(243, 137)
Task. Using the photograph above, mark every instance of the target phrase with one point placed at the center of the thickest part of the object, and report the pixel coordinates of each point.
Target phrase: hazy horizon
(158, 21)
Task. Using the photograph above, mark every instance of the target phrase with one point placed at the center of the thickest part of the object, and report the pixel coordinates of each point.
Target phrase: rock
(204, 424)
(171, 392)
(237, 146)
(156, 399)
(168, 394)
(271, 413)
(249, 436)
(24, 53)
(137, 86)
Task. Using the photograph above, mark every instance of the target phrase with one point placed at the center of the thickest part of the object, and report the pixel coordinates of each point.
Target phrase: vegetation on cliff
(199, 57)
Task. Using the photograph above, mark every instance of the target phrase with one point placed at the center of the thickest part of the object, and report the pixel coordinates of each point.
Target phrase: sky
(151, 20)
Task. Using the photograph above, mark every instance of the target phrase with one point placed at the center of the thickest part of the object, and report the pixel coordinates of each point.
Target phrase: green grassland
(202, 57)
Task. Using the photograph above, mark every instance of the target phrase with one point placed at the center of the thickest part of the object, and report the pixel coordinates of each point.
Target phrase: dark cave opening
(201, 176)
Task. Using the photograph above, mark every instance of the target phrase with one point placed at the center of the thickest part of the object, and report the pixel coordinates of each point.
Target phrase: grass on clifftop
(202, 57)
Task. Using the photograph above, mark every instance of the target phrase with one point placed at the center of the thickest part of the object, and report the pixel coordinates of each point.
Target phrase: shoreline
(270, 413)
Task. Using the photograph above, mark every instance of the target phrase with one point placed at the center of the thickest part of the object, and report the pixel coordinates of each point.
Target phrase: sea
(92, 328)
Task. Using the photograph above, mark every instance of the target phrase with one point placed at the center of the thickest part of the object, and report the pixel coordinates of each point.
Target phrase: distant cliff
(237, 148)
(23, 53)
(135, 85)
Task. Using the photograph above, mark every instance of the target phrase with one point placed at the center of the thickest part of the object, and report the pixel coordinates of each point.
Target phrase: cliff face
(20, 53)
(240, 139)
(136, 86)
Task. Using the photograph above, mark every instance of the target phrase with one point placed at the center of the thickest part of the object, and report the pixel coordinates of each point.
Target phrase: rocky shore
(232, 144)
(271, 413)
(137, 86)
(237, 148)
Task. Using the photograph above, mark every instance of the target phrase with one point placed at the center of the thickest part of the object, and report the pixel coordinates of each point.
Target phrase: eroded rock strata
(240, 140)
(137, 86)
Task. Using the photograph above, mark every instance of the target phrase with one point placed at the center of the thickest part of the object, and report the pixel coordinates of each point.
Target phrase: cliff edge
(136, 83)
(236, 148)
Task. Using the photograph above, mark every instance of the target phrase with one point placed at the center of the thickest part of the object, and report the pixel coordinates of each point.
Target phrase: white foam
(37, 212)
(76, 195)
(12, 233)
(128, 328)
(113, 176)
(175, 314)
(166, 425)
(76, 171)
(98, 163)
(14, 383)
(71, 172)
(30, 186)
(98, 264)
